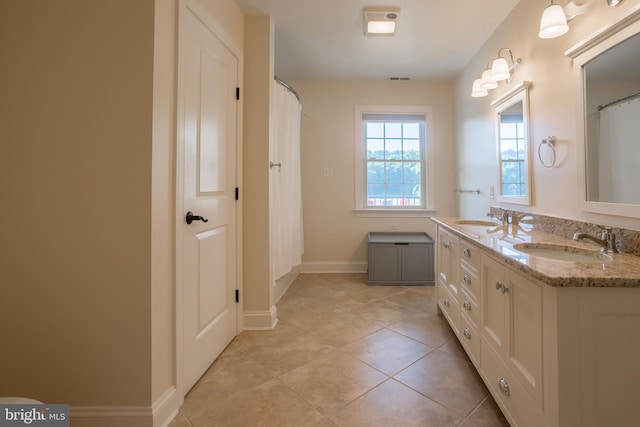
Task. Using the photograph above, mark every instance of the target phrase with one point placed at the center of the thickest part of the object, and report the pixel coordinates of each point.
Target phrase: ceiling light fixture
(555, 19)
(380, 21)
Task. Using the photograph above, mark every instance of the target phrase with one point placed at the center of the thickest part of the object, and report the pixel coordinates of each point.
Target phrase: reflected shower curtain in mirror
(286, 199)
(619, 153)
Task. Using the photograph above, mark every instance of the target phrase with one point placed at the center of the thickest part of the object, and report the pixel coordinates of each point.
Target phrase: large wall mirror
(607, 74)
(512, 131)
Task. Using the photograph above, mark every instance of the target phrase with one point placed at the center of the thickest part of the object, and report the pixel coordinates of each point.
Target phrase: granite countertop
(622, 270)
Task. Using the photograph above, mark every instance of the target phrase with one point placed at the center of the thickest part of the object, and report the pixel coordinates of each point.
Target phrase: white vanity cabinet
(447, 287)
(512, 347)
(552, 356)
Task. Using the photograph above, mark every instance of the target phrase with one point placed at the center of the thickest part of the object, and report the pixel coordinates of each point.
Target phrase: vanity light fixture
(380, 21)
(555, 19)
(553, 22)
(497, 71)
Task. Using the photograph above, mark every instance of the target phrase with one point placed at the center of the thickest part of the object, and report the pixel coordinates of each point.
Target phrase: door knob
(191, 217)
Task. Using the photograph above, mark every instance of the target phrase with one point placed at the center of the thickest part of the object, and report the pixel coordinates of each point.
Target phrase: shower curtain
(619, 153)
(287, 243)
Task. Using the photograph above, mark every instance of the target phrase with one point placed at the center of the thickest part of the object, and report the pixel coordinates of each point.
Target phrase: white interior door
(207, 169)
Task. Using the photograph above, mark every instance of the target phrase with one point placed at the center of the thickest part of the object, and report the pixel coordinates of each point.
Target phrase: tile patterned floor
(344, 354)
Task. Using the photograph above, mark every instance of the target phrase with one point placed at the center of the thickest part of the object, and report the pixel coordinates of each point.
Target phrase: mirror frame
(519, 93)
(583, 52)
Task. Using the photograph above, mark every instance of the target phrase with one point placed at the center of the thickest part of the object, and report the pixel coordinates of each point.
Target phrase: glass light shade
(487, 81)
(477, 91)
(553, 22)
(381, 27)
(500, 69)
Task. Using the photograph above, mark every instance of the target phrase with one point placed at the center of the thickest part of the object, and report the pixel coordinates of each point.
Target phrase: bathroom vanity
(551, 324)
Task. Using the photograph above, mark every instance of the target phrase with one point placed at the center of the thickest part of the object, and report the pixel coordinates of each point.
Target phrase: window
(392, 154)
(512, 155)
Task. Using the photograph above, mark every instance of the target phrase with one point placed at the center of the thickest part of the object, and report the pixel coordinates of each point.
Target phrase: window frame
(428, 174)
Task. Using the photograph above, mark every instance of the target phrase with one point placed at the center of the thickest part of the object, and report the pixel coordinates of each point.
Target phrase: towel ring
(549, 141)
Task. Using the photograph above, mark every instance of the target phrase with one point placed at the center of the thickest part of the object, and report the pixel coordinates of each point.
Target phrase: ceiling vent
(380, 21)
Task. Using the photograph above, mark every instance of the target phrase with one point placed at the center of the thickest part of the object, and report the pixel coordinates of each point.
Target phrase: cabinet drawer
(470, 339)
(469, 281)
(470, 308)
(508, 391)
(470, 254)
(449, 306)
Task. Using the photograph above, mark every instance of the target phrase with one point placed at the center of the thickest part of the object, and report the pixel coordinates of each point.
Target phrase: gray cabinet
(402, 258)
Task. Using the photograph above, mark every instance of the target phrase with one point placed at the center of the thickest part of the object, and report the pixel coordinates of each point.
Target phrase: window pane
(393, 149)
(375, 171)
(411, 130)
(411, 149)
(375, 130)
(508, 130)
(375, 194)
(508, 149)
(375, 149)
(412, 172)
(510, 172)
(393, 172)
(393, 130)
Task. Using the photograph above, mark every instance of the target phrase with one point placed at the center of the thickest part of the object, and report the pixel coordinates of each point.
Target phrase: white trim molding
(334, 267)
(260, 320)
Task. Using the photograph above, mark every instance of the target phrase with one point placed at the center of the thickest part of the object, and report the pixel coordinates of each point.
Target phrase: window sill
(395, 213)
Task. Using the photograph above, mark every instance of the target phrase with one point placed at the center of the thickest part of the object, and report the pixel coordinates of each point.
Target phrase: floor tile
(391, 404)
(332, 381)
(387, 351)
(450, 381)
(425, 326)
(271, 404)
(328, 361)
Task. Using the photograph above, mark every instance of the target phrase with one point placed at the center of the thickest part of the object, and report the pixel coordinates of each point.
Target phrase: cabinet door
(415, 263)
(448, 261)
(384, 263)
(493, 323)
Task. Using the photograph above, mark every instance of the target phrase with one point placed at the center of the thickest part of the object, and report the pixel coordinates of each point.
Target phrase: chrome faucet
(502, 217)
(607, 241)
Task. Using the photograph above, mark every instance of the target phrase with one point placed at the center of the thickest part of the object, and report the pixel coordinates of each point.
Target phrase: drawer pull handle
(498, 286)
(467, 334)
(446, 302)
(466, 279)
(467, 252)
(505, 289)
(504, 387)
(445, 245)
(467, 305)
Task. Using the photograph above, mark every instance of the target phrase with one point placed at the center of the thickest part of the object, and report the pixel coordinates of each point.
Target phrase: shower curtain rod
(286, 85)
(617, 101)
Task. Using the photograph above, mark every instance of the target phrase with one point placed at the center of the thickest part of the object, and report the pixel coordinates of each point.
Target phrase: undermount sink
(476, 222)
(561, 252)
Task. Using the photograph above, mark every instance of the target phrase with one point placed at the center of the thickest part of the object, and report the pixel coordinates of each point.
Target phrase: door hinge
(237, 93)
(237, 295)
(237, 193)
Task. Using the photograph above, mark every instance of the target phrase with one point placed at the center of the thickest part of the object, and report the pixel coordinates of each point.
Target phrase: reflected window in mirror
(512, 130)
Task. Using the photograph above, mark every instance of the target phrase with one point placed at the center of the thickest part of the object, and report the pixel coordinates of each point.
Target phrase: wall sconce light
(380, 21)
(497, 71)
(555, 19)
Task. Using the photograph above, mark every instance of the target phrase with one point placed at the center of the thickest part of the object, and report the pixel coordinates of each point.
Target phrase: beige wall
(552, 110)
(75, 186)
(87, 190)
(255, 192)
(333, 235)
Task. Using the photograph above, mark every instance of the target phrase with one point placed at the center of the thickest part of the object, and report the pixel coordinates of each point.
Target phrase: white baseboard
(283, 283)
(334, 267)
(160, 414)
(166, 407)
(260, 320)
(111, 416)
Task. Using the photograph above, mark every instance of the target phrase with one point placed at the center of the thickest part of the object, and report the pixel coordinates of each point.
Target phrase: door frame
(184, 7)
